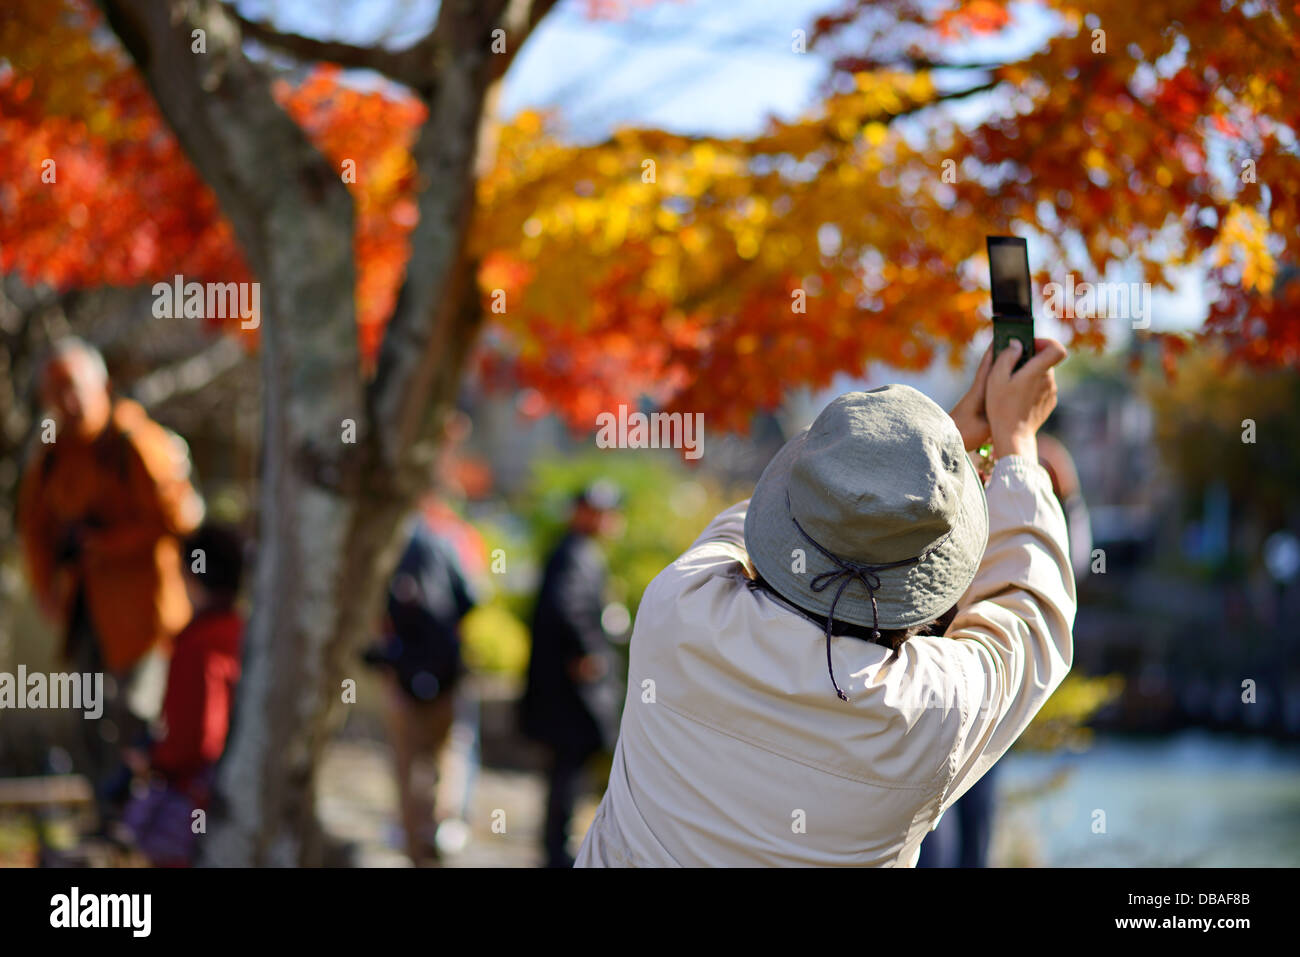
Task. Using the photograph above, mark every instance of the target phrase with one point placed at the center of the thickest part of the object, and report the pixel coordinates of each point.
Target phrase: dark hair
(891, 638)
(222, 549)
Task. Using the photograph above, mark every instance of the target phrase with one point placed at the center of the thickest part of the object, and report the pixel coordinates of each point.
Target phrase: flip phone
(1011, 288)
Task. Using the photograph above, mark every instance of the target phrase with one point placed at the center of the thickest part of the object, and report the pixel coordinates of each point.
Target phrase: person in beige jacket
(835, 661)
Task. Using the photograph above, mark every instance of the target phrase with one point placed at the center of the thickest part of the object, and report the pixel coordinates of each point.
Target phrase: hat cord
(847, 571)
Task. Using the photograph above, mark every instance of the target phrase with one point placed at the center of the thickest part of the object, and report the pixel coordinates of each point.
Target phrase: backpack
(427, 597)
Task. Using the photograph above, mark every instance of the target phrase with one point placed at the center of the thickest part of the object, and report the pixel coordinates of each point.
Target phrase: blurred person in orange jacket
(102, 504)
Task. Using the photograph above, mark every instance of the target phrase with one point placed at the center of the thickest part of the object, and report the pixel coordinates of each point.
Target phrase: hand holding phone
(1018, 403)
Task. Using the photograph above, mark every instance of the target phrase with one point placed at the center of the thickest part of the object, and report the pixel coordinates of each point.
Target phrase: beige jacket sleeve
(1012, 638)
(726, 529)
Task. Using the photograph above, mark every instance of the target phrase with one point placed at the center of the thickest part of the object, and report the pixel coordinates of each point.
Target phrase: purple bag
(161, 821)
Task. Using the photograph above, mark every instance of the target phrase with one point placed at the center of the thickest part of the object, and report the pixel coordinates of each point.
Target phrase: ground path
(358, 803)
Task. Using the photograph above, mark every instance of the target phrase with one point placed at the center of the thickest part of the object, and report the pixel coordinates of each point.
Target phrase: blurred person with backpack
(420, 651)
(102, 506)
(429, 593)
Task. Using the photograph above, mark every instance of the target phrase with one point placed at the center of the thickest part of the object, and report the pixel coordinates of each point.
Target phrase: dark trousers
(566, 783)
(104, 739)
(963, 835)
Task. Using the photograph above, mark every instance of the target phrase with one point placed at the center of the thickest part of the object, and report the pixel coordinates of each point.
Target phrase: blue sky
(699, 66)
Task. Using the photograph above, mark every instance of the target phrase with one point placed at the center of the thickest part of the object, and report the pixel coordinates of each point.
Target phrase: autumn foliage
(709, 274)
(125, 206)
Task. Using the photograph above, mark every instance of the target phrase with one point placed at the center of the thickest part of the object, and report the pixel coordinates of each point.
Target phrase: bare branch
(411, 66)
(519, 19)
(864, 64)
(190, 375)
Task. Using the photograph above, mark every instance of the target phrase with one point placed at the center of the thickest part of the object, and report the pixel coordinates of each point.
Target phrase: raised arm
(1013, 630)
(1013, 642)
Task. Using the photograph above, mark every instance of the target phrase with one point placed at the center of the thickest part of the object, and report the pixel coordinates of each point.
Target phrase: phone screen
(1009, 277)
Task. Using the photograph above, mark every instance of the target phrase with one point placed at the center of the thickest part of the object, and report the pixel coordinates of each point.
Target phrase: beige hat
(873, 515)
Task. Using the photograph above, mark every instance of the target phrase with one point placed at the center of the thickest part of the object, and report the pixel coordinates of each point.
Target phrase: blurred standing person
(429, 593)
(427, 597)
(571, 704)
(101, 509)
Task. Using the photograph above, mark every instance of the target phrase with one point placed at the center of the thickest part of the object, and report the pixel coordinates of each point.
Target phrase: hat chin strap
(845, 572)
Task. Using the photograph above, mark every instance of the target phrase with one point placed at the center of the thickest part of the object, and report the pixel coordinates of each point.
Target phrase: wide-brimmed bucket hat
(873, 515)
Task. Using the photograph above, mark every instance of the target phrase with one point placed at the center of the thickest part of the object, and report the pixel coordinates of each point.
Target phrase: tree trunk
(328, 508)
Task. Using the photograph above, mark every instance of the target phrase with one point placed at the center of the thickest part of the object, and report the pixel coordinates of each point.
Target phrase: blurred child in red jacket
(197, 707)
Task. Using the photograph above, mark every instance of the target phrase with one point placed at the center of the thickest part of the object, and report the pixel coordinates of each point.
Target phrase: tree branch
(519, 19)
(913, 63)
(437, 314)
(189, 375)
(411, 66)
